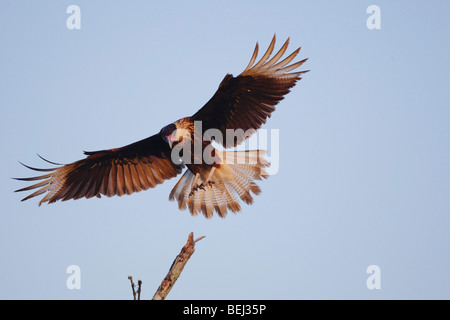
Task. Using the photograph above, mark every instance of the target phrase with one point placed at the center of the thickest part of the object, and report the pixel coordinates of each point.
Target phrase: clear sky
(364, 152)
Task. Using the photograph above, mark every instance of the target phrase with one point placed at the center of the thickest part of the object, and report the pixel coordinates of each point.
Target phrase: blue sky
(363, 173)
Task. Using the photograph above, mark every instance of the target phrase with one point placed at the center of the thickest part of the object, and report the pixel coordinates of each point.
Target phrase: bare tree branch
(132, 287)
(139, 290)
(176, 268)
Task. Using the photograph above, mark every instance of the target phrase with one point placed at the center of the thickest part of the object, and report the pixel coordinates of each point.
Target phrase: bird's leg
(209, 178)
(194, 184)
(202, 185)
(197, 176)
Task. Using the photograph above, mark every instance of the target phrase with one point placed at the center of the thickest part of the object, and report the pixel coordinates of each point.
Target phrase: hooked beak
(170, 139)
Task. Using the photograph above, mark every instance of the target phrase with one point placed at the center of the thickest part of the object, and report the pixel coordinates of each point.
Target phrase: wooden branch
(132, 287)
(176, 268)
(139, 290)
(134, 291)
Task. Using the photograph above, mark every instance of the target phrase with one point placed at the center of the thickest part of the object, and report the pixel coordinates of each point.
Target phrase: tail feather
(232, 202)
(220, 203)
(233, 180)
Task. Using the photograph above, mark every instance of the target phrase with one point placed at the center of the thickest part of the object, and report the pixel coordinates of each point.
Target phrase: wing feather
(246, 101)
(138, 166)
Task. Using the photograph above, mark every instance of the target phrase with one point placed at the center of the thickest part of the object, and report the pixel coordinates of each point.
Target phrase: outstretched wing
(135, 167)
(246, 101)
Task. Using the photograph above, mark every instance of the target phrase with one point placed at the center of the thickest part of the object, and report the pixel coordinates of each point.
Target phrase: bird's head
(174, 134)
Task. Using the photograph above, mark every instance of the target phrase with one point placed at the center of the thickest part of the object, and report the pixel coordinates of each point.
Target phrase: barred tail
(232, 180)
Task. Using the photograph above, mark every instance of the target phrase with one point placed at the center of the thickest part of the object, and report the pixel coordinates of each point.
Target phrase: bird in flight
(214, 180)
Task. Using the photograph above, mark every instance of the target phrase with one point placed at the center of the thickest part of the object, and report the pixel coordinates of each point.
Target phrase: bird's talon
(200, 186)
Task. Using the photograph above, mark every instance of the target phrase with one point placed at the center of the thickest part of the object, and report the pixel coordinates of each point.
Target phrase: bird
(214, 181)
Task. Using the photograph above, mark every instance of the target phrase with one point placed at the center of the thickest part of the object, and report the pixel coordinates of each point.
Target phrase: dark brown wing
(246, 101)
(135, 167)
